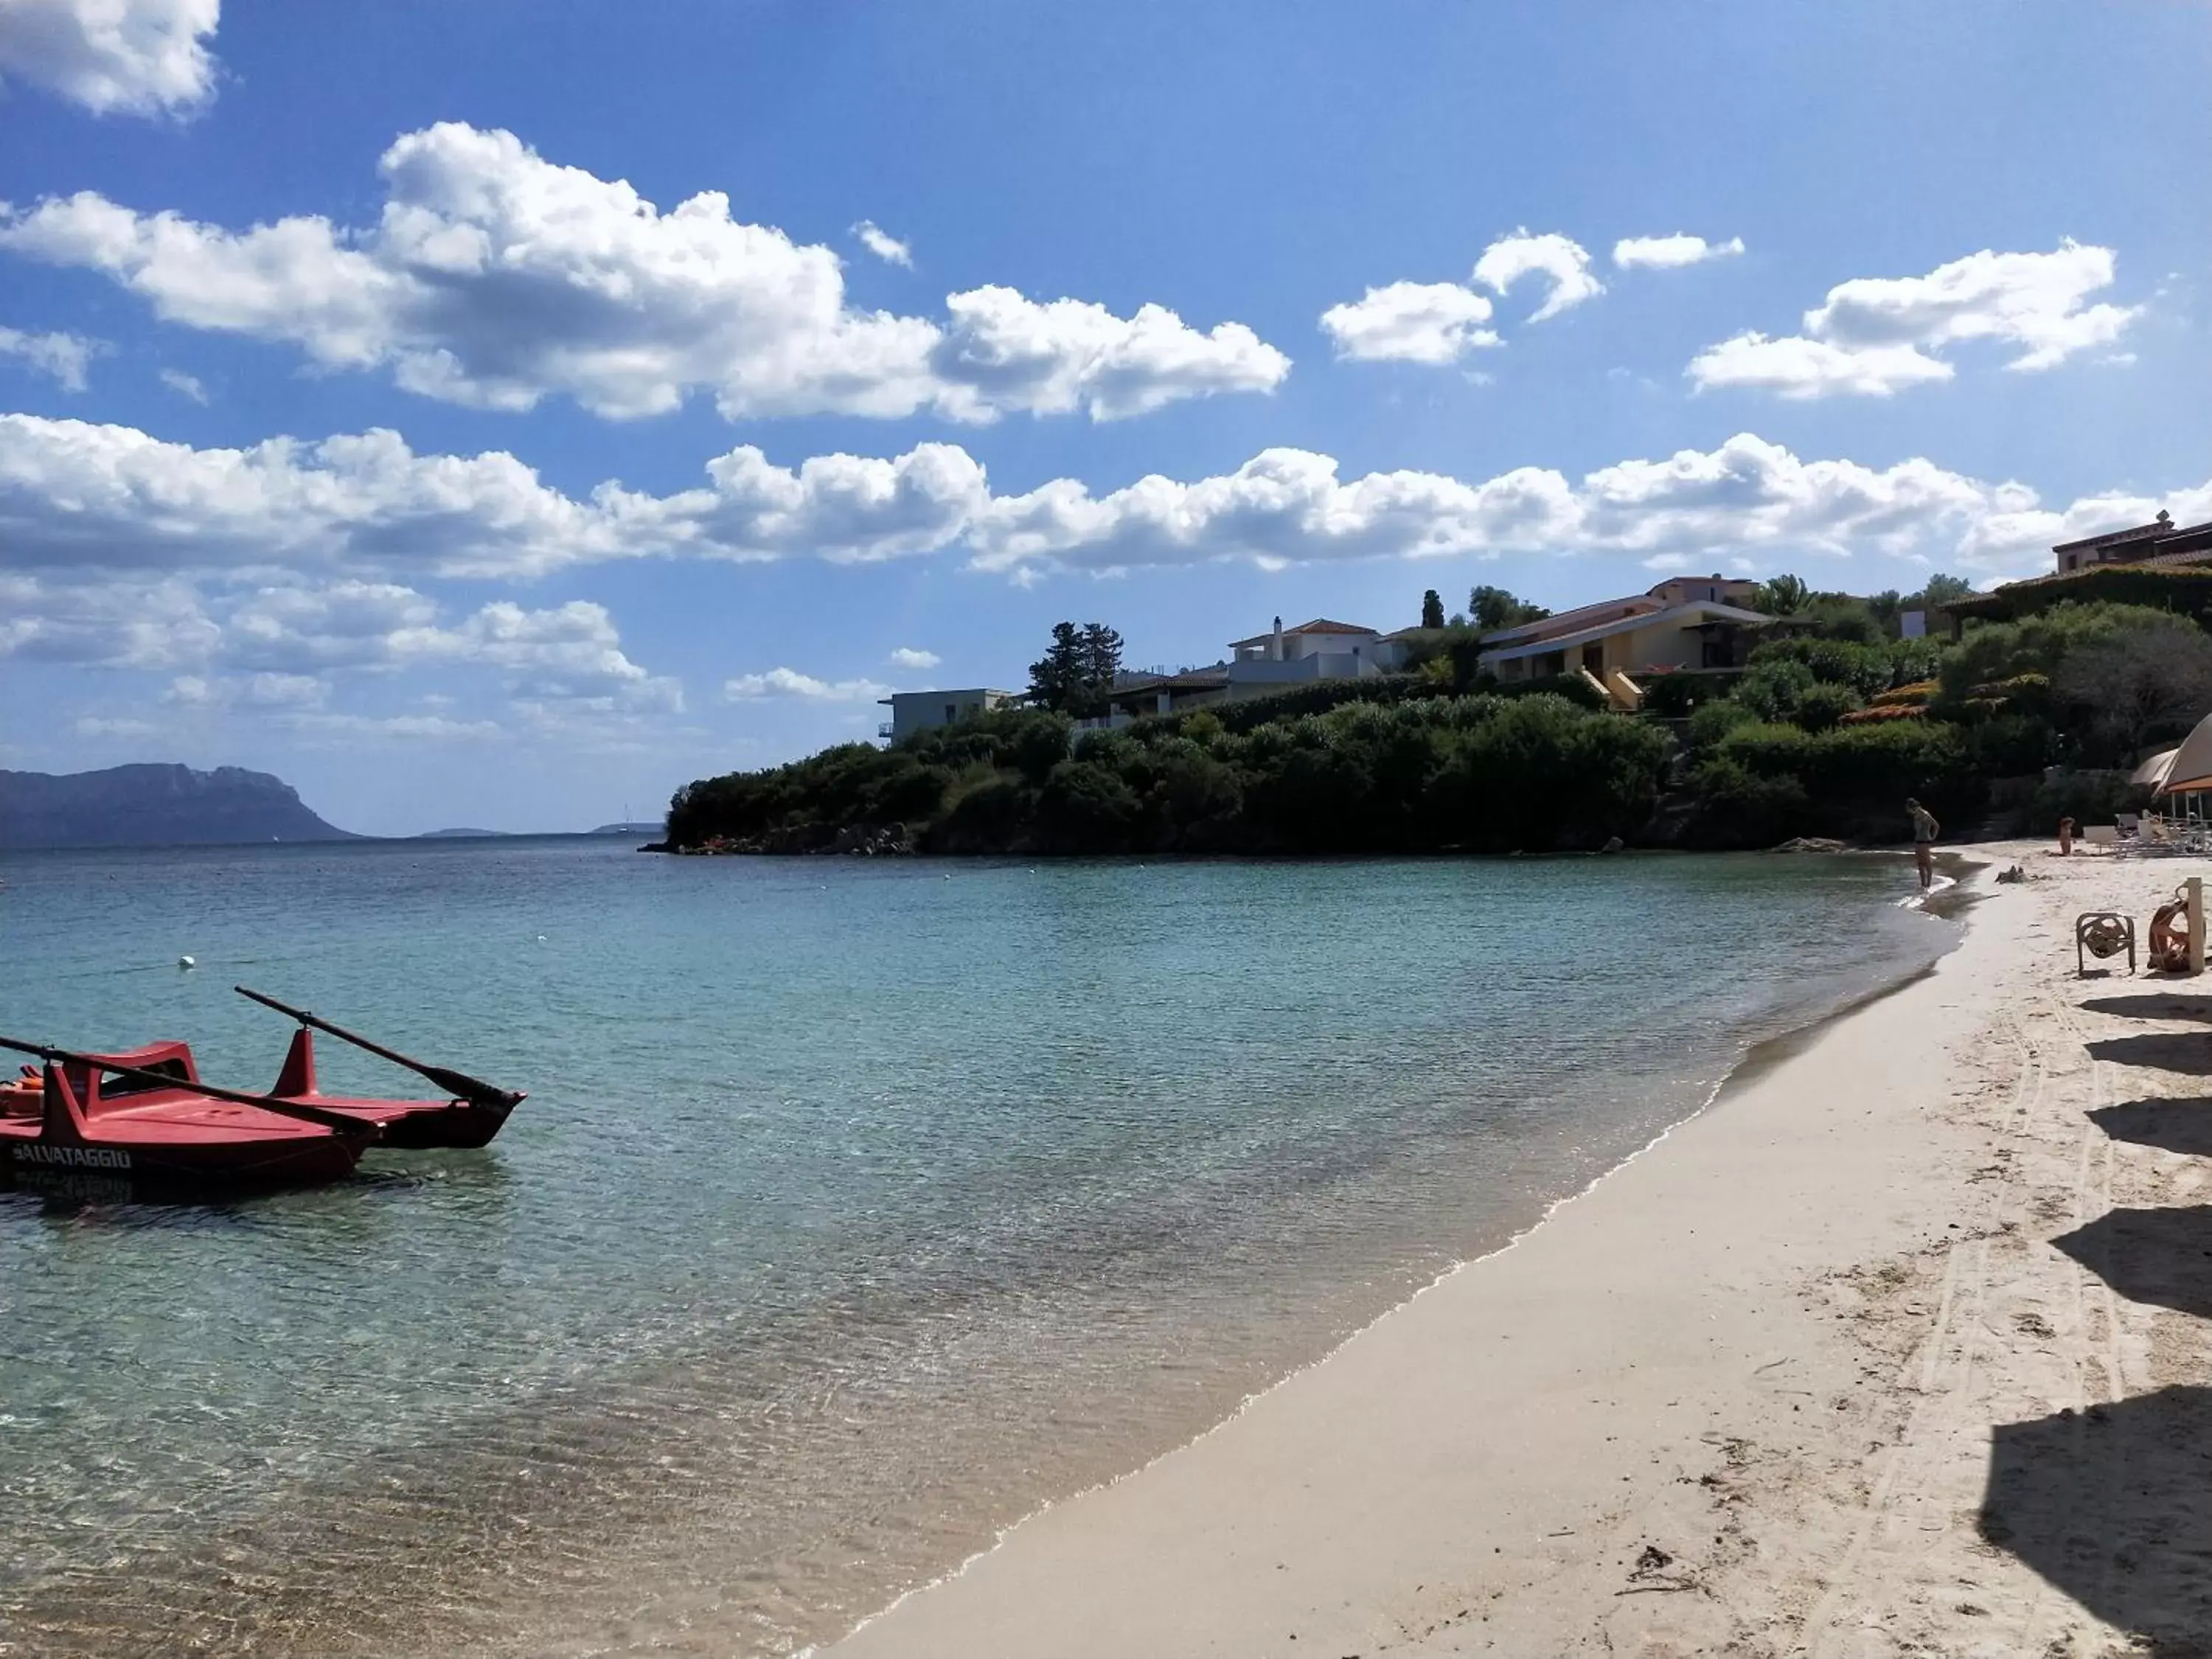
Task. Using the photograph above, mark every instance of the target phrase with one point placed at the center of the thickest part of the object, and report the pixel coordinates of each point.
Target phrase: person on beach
(1924, 831)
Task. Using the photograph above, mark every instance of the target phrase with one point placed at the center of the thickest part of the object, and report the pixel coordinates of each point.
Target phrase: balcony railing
(884, 730)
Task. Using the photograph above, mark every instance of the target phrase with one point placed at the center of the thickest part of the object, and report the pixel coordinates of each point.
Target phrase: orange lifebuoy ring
(2169, 939)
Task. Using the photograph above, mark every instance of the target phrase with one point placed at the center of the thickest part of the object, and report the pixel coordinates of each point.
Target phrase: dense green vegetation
(1833, 722)
(1481, 773)
(1827, 735)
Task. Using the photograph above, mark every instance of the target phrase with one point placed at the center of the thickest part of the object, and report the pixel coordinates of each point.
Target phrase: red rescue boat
(144, 1119)
(470, 1115)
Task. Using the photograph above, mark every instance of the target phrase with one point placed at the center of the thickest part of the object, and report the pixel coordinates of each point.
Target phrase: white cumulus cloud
(1002, 350)
(136, 56)
(2032, 301)
(495, 278)
(358, 520)
(1665, 253)
(906, 657)
(1874, 335)
(884, 246)
(1560, 262)
(64, 357)
(285, 645)
(1748, 498)
(152, 621)
(75, 493)
(1411, 322)
(790, 682)
(1794, 367)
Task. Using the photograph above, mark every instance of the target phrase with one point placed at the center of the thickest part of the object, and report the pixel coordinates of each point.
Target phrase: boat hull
(143, 1120)
(420, 1125)
(169, 1168)
(412, 1125)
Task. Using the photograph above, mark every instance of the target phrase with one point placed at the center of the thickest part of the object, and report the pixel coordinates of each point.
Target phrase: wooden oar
(475, 1090)
(337, 1122)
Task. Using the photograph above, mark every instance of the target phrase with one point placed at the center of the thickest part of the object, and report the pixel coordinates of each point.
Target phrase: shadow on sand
(2162, 1257)
(2178, 1126)
(2153, 1004)
(2187, 1052)
(2107, 1504)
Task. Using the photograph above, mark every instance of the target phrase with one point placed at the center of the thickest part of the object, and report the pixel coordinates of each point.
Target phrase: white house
(1691, 623)
(918, 711)
(1318, 650)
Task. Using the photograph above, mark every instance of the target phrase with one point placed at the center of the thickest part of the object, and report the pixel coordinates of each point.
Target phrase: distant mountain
(153, 806)
(460, 835)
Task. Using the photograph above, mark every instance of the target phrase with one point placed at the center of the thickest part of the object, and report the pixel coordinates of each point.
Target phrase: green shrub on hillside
(1857, 777)
(1086, 806)
(1867, 669)
(1819, 708)
(1715, 721)
(1485, 772)
(1993, 652)
(1737, 807)
(1772, 689)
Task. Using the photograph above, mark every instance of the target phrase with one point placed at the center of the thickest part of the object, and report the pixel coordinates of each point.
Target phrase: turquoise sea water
(857, 1208)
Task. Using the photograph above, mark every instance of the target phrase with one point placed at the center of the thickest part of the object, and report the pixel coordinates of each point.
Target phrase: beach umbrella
(2153, 770)
(2191, 768)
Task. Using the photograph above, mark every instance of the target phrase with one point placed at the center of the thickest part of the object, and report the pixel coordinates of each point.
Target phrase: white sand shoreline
(1750, 1062)
(1642, 1425)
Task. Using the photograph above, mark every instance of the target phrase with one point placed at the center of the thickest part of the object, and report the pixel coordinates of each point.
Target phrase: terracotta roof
(2159, 526)
(1705, 610)
(1583, 616)
(1318, 625)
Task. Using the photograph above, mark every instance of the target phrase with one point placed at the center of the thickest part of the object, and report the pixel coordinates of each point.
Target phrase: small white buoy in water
(186, 961)
(541, 938)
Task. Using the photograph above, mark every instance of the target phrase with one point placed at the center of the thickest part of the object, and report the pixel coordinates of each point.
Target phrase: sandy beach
(1900, 1347)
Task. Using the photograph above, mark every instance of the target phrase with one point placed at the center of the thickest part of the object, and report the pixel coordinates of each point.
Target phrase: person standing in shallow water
(1924, 831)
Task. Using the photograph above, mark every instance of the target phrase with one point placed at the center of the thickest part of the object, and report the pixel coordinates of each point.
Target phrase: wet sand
(1902, 1347)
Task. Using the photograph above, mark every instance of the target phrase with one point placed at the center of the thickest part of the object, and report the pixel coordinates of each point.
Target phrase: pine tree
(1053, 678)
(1078, 670)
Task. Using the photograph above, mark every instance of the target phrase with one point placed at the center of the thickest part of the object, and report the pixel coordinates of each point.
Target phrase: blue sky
(588, 492)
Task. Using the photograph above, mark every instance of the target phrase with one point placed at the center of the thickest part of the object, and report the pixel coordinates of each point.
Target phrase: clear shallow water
(857, 1208)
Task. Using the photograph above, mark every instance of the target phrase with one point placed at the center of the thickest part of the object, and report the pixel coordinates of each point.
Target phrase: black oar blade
(475, 1090)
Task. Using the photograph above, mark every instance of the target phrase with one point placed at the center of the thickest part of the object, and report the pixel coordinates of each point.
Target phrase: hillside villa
(2080, 567)
(1695, 623)
(2157, 542)
(918, 711)
(1686, 623)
